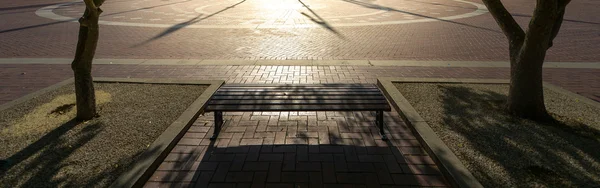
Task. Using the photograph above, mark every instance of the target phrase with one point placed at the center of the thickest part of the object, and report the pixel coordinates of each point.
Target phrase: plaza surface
(290, 41)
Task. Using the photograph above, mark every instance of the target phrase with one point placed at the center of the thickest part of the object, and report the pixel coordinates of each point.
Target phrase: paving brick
(284, 148)
(251, 141)
(221, 185)
(271, 157)
(329, 175)
(308, 166)
(405, 179)
(294, 177)
(280, 185)
(260, 179)
(204, 179)
(360, 167)
(354, 178)
(222, 157)
(383, 173)
(239, 177)
(173, 176)
(423, 169)
(370, 158)
(320, 157)
(274, 172)
(256, 166)
(221, 172)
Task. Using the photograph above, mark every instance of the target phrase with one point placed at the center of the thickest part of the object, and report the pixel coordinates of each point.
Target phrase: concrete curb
(36, 94)
(401, 63)
(452, 168)
(142, 169)
(151, 158)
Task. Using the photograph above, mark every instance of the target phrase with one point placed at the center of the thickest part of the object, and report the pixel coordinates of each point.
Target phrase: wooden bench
(293, 97)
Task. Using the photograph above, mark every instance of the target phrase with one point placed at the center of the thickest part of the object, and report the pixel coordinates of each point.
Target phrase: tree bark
(526, 94)
(82, 63)
(527, 52)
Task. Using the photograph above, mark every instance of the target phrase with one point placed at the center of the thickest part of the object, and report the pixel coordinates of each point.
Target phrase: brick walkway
(18, 80)
(25, 34)
(296, 149)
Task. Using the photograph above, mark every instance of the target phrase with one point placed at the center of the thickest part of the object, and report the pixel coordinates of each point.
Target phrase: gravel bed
(504, 151)
(45, 148)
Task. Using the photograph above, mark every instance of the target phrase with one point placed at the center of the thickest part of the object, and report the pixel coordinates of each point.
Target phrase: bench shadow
(563, 154)
(353, 154)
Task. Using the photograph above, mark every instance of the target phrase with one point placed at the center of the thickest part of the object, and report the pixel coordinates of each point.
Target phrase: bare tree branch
(562, 4)
(91, 6)
(542, 24)
(507, 23)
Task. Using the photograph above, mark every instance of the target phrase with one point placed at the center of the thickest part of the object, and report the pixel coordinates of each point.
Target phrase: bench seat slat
(298, 85)
(297, 89)
(335, 97)
(310, 101)
(275, 107)
(269, 93)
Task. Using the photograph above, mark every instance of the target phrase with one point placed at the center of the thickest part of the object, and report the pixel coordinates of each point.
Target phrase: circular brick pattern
(268, 13)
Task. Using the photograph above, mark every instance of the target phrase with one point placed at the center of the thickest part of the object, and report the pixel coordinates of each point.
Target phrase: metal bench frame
(297, 97)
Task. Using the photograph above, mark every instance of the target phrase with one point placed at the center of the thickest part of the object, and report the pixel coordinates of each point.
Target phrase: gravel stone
(504, 151)
(92, 153)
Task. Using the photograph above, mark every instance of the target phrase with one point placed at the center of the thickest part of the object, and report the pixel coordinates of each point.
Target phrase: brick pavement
(18, 80)
(298, 149)
(291, 149)
(24, 34)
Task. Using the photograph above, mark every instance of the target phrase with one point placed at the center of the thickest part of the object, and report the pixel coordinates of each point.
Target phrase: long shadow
(75, 19)
(424, 2)
(182, 25)
(48, 154)
(563, 154)
(379, 7)
(38, 145)
(338, 161)
(25, 7)
(567, 20)
(320, 21)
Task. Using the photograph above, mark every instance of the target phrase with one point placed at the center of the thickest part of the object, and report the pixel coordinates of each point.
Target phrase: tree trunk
(526, 93)
(82, 65)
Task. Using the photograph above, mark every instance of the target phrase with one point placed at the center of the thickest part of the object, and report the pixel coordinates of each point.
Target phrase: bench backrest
(298, 97)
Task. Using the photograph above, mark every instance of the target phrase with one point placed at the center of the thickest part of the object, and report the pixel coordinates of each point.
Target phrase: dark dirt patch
(44, 147)
(503, 151)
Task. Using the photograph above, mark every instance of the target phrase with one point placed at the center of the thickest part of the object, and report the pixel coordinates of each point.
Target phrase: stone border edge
(451, 167)
(143, 168)
(151, 158)
(36, 94)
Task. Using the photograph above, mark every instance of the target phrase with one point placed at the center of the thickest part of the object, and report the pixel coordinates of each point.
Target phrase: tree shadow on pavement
(517, 152)
(320, 20)
(379, 7)
(25, 7)
(564, 20)
(75, 19)
(182, 25)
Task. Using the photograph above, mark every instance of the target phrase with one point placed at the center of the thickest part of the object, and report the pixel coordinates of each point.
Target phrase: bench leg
(218, 124)
(379, 122)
